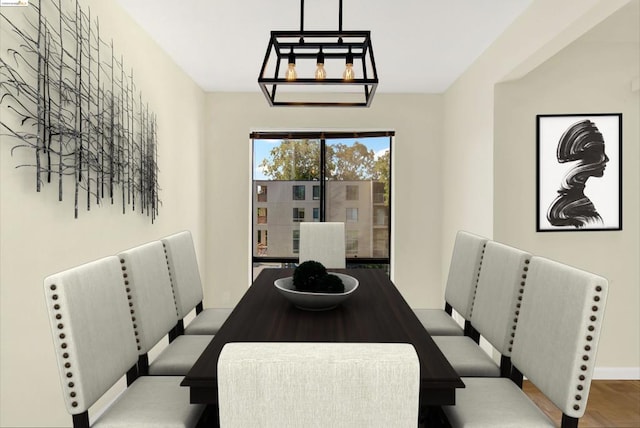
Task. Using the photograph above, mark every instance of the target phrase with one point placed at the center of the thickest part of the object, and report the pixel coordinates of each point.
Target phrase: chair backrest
(148, 286)
(463, 272)
(183, 270)
(496, 305)
(558, 332)
(92, 330)
(324, 243)
(319, 384)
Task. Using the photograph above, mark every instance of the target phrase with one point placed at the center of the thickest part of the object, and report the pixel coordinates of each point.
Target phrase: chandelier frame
(285, 46)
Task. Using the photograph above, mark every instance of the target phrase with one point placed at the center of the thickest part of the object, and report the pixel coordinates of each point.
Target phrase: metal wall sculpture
(69, 100)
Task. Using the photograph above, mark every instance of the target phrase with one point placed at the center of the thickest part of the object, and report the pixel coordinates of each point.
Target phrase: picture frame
(579, 172)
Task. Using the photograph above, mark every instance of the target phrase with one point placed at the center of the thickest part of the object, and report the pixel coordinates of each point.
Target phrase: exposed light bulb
(321, 73)
(291, 74)
(348, 74)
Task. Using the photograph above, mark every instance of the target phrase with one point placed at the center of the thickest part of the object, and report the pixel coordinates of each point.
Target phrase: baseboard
(617, 373)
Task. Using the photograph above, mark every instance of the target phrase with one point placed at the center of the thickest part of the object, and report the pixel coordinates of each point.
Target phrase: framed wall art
(579, 172)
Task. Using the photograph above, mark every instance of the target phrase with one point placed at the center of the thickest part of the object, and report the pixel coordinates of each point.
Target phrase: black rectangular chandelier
(319, 68)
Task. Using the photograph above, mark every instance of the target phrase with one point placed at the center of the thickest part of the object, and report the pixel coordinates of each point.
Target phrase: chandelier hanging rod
(302, 16)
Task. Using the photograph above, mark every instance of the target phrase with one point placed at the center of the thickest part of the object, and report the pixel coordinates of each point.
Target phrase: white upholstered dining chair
(464, 269)
(151, 298)
(187, 287)
(494, 314)
(291, 385)
(555, 347)
(95, 346)
(323, 242)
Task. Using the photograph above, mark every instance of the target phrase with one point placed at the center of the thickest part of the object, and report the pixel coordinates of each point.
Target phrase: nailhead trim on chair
(173, 292)
(525, 269)
(587, 348)
(125, 276)
(63, 345)
(475, 289)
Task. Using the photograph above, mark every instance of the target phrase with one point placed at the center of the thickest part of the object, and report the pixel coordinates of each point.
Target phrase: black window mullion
(323, 163)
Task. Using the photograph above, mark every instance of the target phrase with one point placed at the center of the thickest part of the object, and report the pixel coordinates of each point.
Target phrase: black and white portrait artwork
(579, 172)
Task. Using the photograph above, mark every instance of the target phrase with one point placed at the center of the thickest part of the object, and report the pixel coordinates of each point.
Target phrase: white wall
(416, 185)
(39, 235)
(592, 75)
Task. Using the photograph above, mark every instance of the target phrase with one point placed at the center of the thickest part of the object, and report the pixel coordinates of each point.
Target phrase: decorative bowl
(309, 301)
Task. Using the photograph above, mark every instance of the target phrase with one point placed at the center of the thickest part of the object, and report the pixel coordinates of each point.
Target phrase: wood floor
(612, 404)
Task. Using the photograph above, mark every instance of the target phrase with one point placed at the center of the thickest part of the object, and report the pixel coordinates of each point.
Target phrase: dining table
(375, 312)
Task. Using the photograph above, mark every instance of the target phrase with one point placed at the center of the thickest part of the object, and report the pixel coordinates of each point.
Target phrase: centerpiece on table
(313, 288)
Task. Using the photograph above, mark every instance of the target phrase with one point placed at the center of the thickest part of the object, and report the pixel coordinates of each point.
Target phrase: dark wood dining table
(376, 312)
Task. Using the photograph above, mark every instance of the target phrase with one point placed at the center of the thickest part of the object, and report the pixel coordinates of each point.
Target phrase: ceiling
(420, 46)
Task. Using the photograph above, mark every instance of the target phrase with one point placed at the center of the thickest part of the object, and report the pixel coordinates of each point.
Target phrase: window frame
(262, 194)
(351, 238)
(263, 211)
(352, 218)
(322, 137)
(295, 214)
(296, 194)
(352, 190)
(295, 241)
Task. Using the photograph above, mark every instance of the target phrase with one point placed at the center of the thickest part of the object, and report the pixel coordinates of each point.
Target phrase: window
(296, 241)
(380, 242)
(298, 193)
(352, 215)
(352, 193)
(351, 242)
(261, 191)
(262, 216)
(380, 216)
(349, 178)
(261, 246)
(378, 193)
(298, 215)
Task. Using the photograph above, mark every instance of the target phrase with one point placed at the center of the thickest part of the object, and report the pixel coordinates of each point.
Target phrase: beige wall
(592, 75)
(416, 180)
(40, 235)
(543, 29)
